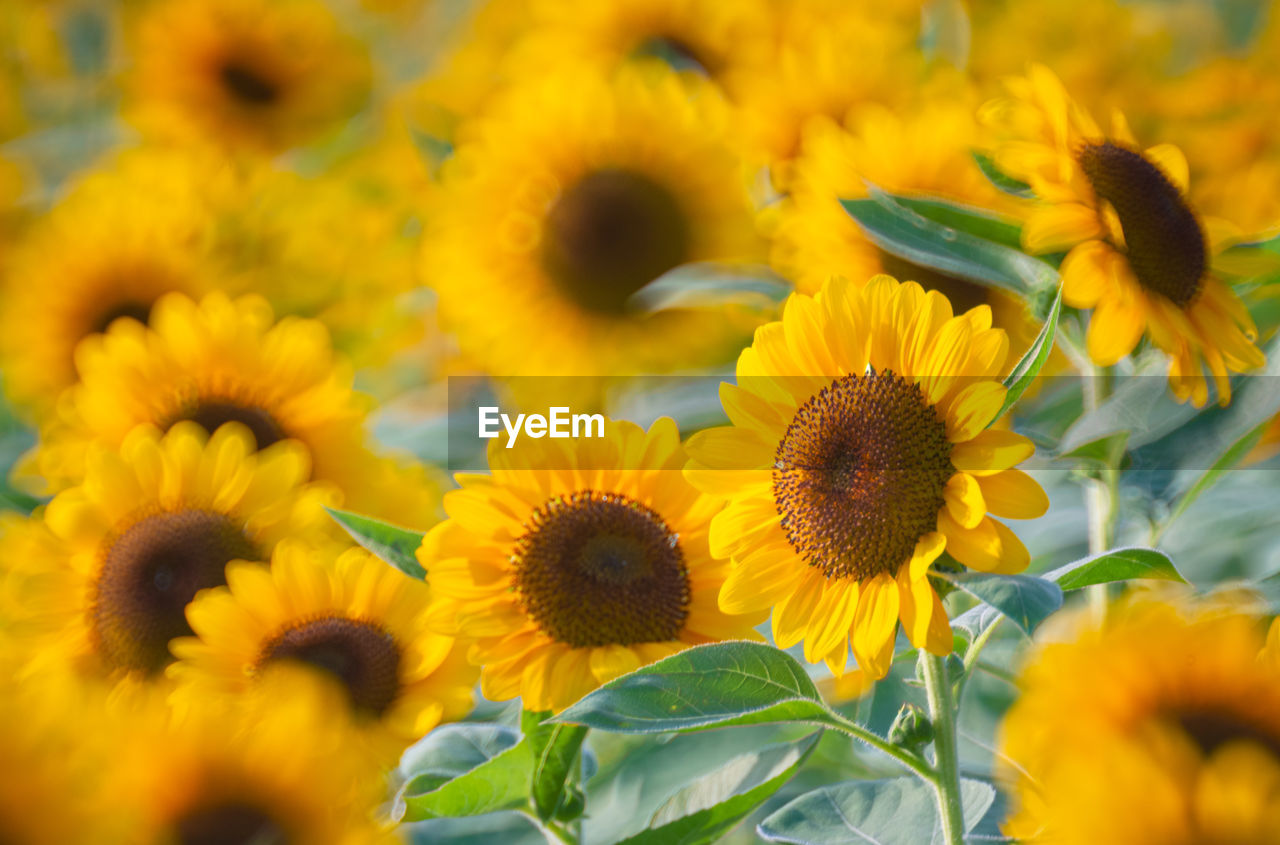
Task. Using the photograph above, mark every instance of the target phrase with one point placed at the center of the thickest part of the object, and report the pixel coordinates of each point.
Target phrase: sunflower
(711, 37)
(1171, 702)
(356, 621)
(220, 361)
(94, 259)
(859, 452)
(926, 153)
(1139, 255)
(121, 555)
(572, 196)
(259, 75)
(571, 565)
(262, 769)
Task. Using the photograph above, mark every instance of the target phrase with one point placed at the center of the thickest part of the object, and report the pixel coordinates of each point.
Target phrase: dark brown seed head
(360, 654)
(231, 823)
(140, 311)
(860, 473)
(610, 234)
(1164, 243)
(211, 414)
(150, 573)
(248, 85)
(596, 569)
(1212, 727)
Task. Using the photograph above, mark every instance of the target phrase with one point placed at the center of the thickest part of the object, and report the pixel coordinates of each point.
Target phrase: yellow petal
(915, 606)
(875, 624)
(1014, 495)
(610, 661)
(1057, 227)
(973, 409)
(1172, 162)
(991, 451)
(1115, 328)
(1086, 274)
(738, 523)
(964, 500)
(755, 583)
(792, 615)
(988, 547)
(833, 620)
(729, 447)
(927, 550)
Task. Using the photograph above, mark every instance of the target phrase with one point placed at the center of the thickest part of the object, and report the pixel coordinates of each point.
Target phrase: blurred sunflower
(571, 565)
(96, 258)
(356, 621)
(1139, 253)
(1173, 704)
(259, 769)
(151, 525)
(859, 452)
(571, 197)
(221, 361)
(258, 75)
(925, 152)
(705, 36)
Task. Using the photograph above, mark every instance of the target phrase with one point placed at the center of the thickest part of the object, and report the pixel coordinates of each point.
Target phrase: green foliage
(1002, 180)
(901, 811)
(1116, 565)
(396, 545)
(555, 750)
(1029, 365)
(1026, 600)
(465, 770)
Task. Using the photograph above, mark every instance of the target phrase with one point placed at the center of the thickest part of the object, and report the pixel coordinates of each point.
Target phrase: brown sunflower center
(1210, 728)
(231, 823)
(962, 293)
(1164, 243)
(678, 53)
(610, 234)
(360, 654)
(247, 84)
(140, 311)
(596, 569)
(150, 573)
(859, 475)
(211, 414)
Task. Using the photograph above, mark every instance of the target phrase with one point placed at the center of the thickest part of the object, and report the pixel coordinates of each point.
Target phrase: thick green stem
(942, 712)
(1100, 493)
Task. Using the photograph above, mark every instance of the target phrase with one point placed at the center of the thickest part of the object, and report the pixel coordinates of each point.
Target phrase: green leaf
(1028, 367)
(1000, 179)
(909, 235)
(730, 683)
(706, 809)
(963, 218)
(709, 286)
(555, 750)
(1140, 406)
(395, 545)
(464, 770)
(1116, 565)
(1104, 452)
(1026, 599)
(901, 811)
(1229, 458)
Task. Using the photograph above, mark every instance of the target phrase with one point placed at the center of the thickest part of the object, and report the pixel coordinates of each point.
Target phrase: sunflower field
(659, 422)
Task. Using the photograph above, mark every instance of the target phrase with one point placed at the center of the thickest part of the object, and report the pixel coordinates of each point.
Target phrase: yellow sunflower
(261, 769)
(220, 361)
(572, 564)
(356, 621)
(1139, 254)
(94, 259)
(573, 195)
(708, 36)
(259, 75)
(1161, 727)
(859, 452)
(926, 153)
(153, 523)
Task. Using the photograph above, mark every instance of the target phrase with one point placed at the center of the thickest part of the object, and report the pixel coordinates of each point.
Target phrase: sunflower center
(232, 823)
(596, 569)
(360, 654)
(1164, 243)
(247, 85)
(150, 573)
(140, 311)
(962, 294)
(212, 414)
(1211, 728)
(676, 52)
(610, 234)
(859, 475)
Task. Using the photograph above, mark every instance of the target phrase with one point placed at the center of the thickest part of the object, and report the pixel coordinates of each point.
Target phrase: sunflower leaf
(999, 178)
(464, 770)
(915, 238)
(1028, 367)
(975, 221)
(706, 809)
(729, 683)
(1026, 599)
(1116, 565)
(555, 749)
(396, 545)
(900, 811)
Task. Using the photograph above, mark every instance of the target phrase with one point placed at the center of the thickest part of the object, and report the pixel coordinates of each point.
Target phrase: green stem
(906, 758)
(552, 832)
(942, 712)
(975, 651)
(1100, 494)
